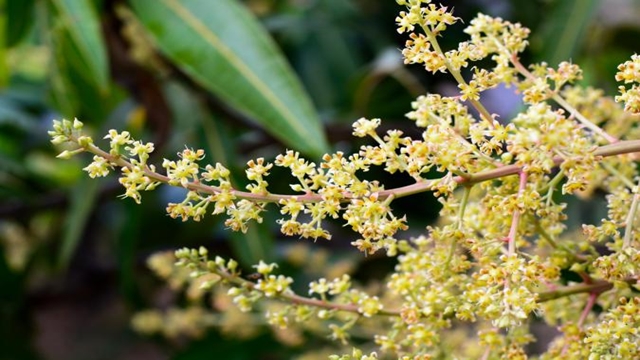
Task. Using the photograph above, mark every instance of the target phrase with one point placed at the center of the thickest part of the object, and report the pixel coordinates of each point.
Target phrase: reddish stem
(587, 309)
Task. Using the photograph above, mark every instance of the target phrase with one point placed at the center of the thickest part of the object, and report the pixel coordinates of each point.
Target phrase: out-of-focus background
(74, 280)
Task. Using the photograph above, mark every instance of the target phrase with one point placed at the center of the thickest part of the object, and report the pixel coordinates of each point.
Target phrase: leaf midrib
(236, 62)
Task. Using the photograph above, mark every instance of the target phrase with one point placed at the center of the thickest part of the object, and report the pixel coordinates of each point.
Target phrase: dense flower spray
(494, 260)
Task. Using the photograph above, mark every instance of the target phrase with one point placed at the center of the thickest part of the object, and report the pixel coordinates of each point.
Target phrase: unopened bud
(65, 155)
(77, 124)
(85, 141)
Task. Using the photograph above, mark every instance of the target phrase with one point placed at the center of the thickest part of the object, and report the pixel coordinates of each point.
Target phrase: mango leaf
(565, 28)
(83, 197)
(222, 47)
(4, 67)
(63, 93)
(80, 19)
(19, 16)
(126, 245)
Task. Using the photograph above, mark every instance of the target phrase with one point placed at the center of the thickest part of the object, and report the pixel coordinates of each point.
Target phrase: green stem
(551, 185)
(466, 143)
(583, 120)
(618, 174)
(399, 159)
(554, 244)
(515, 221)
(543, 234)
(561, 101)
(484, 113)
(628, 229)
(463, 204)
(461, 210)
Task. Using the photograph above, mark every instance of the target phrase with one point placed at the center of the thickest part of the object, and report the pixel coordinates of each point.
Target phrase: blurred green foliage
(241, 79)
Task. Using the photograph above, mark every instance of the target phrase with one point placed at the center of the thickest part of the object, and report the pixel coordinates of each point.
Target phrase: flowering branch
(549, 149)
(619, 148)
(598, 287)
(276, 287)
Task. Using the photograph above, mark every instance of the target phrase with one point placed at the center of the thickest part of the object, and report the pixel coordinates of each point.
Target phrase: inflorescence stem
(515, 221)
(618, 148)
(562, 102)
(598, 287)
(628, 229)
(294, 298)
(595, 287)
(484, 113)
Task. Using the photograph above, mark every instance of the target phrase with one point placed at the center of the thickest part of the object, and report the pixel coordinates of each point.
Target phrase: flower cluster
(496, 257)
(616, 336)
(505, 293)
(135, 176)
(335, 295)
(629, 72)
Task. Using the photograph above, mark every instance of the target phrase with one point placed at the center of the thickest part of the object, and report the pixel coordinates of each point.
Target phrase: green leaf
(83, 197)
(126, 245)
(223, 47)
(73, 90)
(565, 29)
(4, 67)
(80, 19)
(11, 114)
(63, 94)
(20, 15)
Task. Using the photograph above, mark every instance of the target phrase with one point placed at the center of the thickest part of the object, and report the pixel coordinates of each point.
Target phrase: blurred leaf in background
(240, 79)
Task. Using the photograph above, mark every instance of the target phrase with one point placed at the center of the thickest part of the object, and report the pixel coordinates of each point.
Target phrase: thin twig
(618, 148)
(515, 221)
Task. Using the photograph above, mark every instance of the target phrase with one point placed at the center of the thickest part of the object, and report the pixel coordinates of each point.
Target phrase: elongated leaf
(126, 246)
(83, 197)
(20, 15)
(63, 94)
(221, 46)
(73, 90)
(565, 29)
(80, 19)
(12, 114)
(4, 67)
